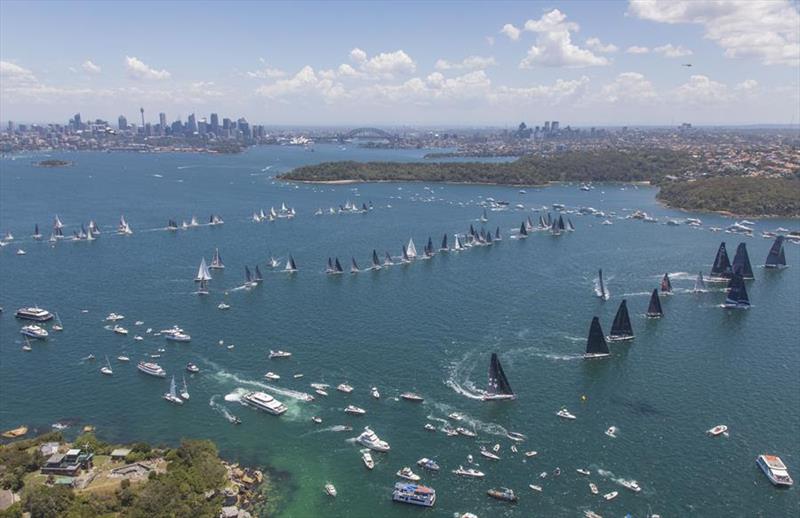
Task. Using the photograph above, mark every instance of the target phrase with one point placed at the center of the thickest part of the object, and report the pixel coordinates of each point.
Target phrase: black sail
(596, 343)
(741, 262)
(498, 383)
(722, 265)
(654, 309)
(666, 285)
(258, 277)
(247, 277)
(737, 293)
(375, 261)
(522, 230)
(338, 265)
(602, 286)
(444, 243)
(776, 257)
(622, 322)
(561, 225)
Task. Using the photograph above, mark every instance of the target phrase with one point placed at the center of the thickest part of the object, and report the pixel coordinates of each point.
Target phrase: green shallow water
(427, 327)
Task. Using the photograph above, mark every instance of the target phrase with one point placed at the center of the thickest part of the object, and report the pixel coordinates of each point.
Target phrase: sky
(446, 63)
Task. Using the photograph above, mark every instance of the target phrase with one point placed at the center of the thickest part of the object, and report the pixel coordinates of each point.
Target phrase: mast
(722, 266)
(498, 383)
(621, 327)
(596, 345)
(737, 293)
(776, 257)
(741, 262)
(654, 309)
(666, 286)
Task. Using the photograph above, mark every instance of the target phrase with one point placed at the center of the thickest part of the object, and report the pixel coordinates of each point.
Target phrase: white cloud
(628, 87)
(137, 69)
(702, 90)
(469, 63)
(637, 50)
(389, 64)
(671, 51)
(266, 73)
(596, 45)
(765, 30)
(346, 70)
(511, 31)
(305, 82)
(90, 67)
(14, 73)
(358, 55)
(748, 85)
(554, 47)
(559, 92)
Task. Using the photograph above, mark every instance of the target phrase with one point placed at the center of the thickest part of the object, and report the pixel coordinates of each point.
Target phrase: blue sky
(437, 63)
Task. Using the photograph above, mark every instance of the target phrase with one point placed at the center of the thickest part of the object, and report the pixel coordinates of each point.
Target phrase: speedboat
(191, 367)
(279, 354)
(113, 317)
(223, 306)
(583, 471)
(344, 387)
(469, 472)
(34, 313)
(775, 470)
(516, 436)
(449, 431)
(321, 392)
(123, 358)
(34, 331)
(414, 494)
(455, 416)
(272, 376)
(610, 496)
(411, 396)
(630, 484)
(593, 488)
(367, 458)
(375, 393)
(20, 251)
(612, 432)
(717, 430)
(428, 464)
(564, 413)
(119, 330)
(531, 453)
(316, 419)
(298, 375)
(591, 514)
(504, 494)
(178, 337)
(330, 490)
(265, 402)
(465, 432)
(319, 386)
(430, 427)
(138, 338)
(354, 410)
(369, 439)
(407, 474)
(152, 369)
(535, 487)
(489, 455)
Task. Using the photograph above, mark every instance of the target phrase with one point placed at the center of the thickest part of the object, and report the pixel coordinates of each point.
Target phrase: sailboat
(497, 236)
(203, 276)
(570, 226)
(666, 286)
(457, 246)
(123, 228)
(776, 257)
(654, 309)
(523, 232)
(444, 248)
(36, 234)
(172, 395)
(603, 294)
(387, 260)
(429, 252)
(291, 267)
(498, 388)
(329, 269)
(411, 250)
(194, 222)
(741, 262)
(216, 261)
(405, 258)
(57, 223)
(184, 390)
(58, 326)
(89, 233)
(258, 278)
(596, 346)
(737, 293)
(106, 369)
(721, 271)
(554, 228)
(248, 278)
(337, 267)
(273, 262)
(484, 218)
(621, 327)
(529, 224)
(354, 266)
(376, 263)
(699, 283)
(94, 228)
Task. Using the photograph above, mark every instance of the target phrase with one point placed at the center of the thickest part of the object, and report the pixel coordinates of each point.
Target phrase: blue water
(428, 327)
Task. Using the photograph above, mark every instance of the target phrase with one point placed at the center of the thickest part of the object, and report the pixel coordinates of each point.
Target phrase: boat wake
(598, 291)
(294, 394)
(637, 294)
(468, 421)
(221, 408)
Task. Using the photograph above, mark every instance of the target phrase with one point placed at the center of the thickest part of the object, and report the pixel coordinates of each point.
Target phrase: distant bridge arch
(370, 133)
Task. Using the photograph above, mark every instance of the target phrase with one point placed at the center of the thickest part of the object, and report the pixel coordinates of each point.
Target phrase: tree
(46, 502)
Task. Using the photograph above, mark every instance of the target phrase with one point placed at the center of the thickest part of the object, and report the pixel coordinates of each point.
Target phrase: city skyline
(598, 63)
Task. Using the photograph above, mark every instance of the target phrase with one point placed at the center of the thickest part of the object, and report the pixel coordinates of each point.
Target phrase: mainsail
(443, 248)
(353, 266)
(498, 387)
(737, 293)
(216, 261)
(202, 273)
(290, 265)
(405, 255)
(429, 248)
(654, 309)
(387, 260)
(699, 283)
(666, 286)
(596, 345)
(741, 262)
(376, 263)
(258, 277)
(776, 257)
(570, 226)
(561, 225)
(621, 328)
(523, 232)
(411, 250)
(337, 266)
(248, 279)
(602, 286)
(722, 265)
(497, 236)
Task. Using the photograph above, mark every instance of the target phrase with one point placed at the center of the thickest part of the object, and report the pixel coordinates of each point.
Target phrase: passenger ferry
(34, 313)
(775, 470)
(414, 494)
(264, 402)
(153, 369)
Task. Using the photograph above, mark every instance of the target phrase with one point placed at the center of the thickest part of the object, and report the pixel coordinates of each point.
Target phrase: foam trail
(597, 292)
(457, 379)
(294, 394)
(220, 408)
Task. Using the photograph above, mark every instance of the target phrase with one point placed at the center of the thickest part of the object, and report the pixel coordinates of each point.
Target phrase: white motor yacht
(430, 427)
(610, 496)
(535, 487)
(630, 484)
(119, 330)
(531, 453)
(344, 387)
(123, 358)
(369, 439)
(407, 474)
(34, 313)
(330, 490)
(152, 369)
(113, 317)
(489, 455)
(264, 402)
(593, 488)
(468, 472)
(278, 354)
(466, 432)
(34, 331)
(775, 470)
(354, 410)
(368, 460)
(375, 393)
(272, 376)
(565, 414)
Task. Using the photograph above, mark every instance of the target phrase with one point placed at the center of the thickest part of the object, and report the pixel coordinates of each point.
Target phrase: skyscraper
(214, 123)
(122, 122)
(142, 112)
(77, 121)
(162, 121)
(191, 125)
(554, 127)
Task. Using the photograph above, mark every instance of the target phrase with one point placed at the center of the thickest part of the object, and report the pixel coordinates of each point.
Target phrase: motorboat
(428, 464)
(630, 484)
(535, 487)
(272, 376)
(119, 330)
(222, 306)
(411, 396)
(610, 496)
(593, 488)
(591, 514)
(369, 439)
(191, 367)
(450, 432)
(330, 490)
(366, 457)
(265, 402)
(113, 317)
(775, 470)
(177, 336)
(465, 432)
(455, 416)
(612, 432)
(515, 436)
(531, 453)
(298, 375)
(375, 393)
(34, 313)
(123, 358)
(138, 338)
(153, 369)
(489, 455)
(584, 471)
(321, 392)
(319, 386)
(468, 472)
(504, 494)
(279, 354)
(316, 419)
(34, 331)
(717, 430)
(354, 410)
(430, 427)
(565, 414)
(344, 387)
(407, 474)
(414, 494)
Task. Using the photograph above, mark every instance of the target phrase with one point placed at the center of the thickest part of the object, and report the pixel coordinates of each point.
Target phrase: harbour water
(429, 327)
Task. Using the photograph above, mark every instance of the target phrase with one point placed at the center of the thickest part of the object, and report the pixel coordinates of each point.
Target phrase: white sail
(203, 273)
(57, 223)
(272, 212)
(172, 391)
(283, 207)
(411, 250)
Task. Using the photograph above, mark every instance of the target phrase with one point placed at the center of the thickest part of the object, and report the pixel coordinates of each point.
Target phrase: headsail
(621, 328)
(776, 257)
(387, 260)
(258, 277)
(654, 309)
(338, 266)
(596, 345)
(354, 266)
(722, 265)
(741, 262)
(666, 285)
(411, 250)
(202, 273)
(737, 293)
(498, 387)
(291, 267)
